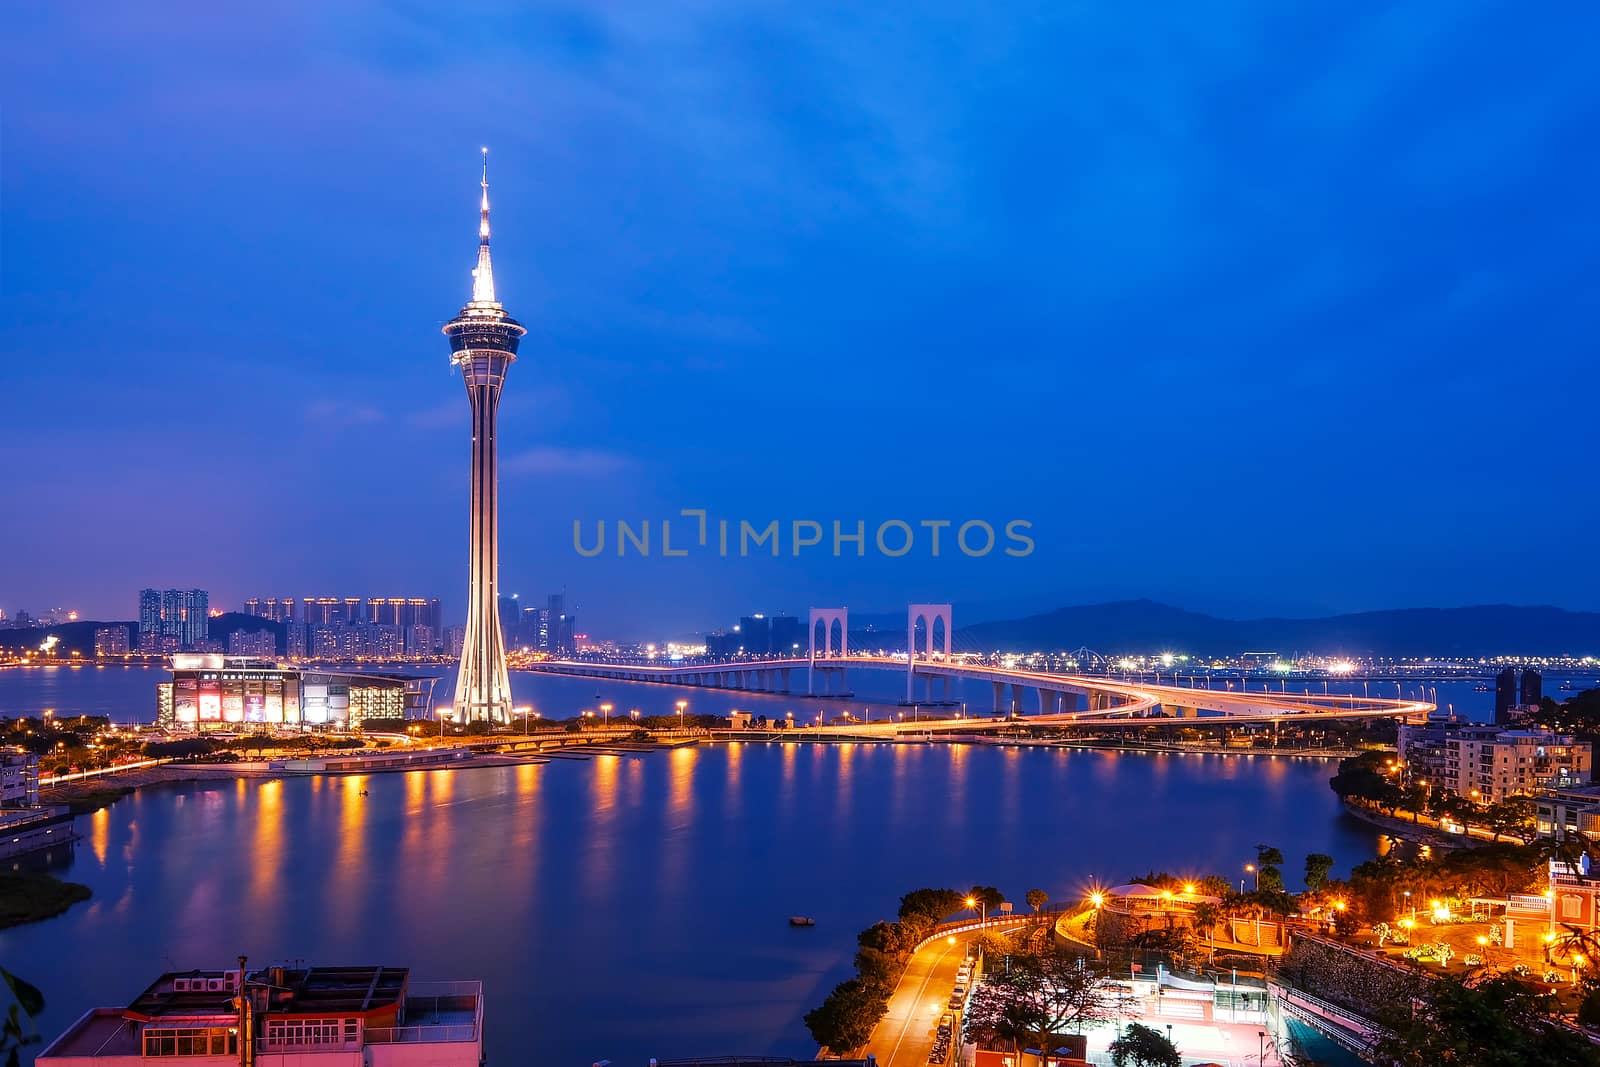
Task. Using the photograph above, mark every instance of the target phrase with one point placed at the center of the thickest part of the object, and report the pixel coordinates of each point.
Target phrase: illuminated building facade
(233, 692)
(483, 344)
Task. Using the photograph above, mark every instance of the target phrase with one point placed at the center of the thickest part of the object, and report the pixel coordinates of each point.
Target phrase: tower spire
(483, 276)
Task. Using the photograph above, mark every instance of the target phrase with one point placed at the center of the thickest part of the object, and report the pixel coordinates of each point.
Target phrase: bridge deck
(1131, 703)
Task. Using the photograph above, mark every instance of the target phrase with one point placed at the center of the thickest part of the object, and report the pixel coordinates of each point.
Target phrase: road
(904, 1036)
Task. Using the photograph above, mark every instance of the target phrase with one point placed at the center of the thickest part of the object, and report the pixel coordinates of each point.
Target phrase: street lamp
(981, 907)
(605, 714)
(526, 711)
(1250, 868)
(682, 704)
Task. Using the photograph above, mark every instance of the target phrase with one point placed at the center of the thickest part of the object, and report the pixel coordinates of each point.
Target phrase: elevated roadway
(1055, 699)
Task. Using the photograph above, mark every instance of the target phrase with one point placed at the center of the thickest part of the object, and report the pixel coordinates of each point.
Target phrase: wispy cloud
(551, 460)
(335, 413)
(452, 412)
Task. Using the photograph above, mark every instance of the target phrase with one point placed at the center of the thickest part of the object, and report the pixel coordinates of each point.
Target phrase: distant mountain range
(1142, 626)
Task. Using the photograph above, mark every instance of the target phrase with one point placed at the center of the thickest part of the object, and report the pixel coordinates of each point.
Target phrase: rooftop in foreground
(366, 1010)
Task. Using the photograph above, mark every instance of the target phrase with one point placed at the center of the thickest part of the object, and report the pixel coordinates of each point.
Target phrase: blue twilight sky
(1248, 306)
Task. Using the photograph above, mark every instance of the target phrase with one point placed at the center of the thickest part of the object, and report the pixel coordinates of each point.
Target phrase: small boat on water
(802, 920)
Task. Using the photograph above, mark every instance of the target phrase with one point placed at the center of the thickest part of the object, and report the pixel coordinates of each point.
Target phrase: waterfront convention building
(278, 1016)
(212, 692)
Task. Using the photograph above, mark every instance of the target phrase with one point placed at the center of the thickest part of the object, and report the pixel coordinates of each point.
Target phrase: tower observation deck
(483, 343)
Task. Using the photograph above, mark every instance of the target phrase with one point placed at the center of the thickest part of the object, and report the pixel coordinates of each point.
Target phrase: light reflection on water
(629, 907)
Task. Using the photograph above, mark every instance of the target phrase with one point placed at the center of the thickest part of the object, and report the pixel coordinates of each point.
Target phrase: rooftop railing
(424, 1034)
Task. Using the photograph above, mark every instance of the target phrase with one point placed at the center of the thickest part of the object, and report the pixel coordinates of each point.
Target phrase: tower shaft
(483, 688)
(483, 343)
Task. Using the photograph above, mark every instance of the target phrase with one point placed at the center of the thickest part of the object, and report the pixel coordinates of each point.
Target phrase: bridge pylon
(827, 617)
(927, 614)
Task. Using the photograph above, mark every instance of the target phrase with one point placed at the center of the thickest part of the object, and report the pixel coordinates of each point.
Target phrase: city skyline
(742, 307)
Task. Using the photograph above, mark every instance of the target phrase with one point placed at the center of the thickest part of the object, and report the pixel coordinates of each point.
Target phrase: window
(190, 1041)
(312, 1033)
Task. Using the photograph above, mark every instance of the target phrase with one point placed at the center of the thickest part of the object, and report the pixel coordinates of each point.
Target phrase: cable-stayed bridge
(1019, 694)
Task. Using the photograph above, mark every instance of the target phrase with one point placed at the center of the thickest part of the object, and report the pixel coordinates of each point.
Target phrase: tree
(1037, 899)
(1144, 1047)
(986, 896)
(1513, 817)
(27, 1003)
(934, 903)
(1492, 1022)
(1206, 917)
(1318, 864)
(996, 946)
(1269, 878)
(1364, 779)
(1037, 998)
(189, 746)
(885, 948)
(846, 1019)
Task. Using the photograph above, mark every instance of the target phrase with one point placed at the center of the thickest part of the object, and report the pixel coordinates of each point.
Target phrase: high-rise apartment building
(758, 635)
(1532, 689)
(403, 611)
(173, 618)
(111, 641)
(421, 640)
(325, 611)
(1512, 695)
(262, 644)
(278, 609)
(1505, 695)
(149, 620)
(786, 635)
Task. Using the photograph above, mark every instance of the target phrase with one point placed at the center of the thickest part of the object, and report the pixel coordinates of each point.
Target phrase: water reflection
(636, 907)
(268, 844)
(100, 834)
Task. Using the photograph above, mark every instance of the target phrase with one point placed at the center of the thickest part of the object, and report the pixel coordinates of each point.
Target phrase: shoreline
(27, 897)
(105, 789)
(171, 774)
(723, 737)
(1423, 833)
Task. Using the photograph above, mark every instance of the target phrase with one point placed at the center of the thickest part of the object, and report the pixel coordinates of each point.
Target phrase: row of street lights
(526, 714)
